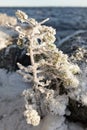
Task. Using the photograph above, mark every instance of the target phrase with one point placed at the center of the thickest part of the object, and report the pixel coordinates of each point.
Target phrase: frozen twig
(70, 36)
(49, 68)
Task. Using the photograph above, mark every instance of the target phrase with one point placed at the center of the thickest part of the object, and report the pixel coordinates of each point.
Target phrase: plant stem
(33, 63)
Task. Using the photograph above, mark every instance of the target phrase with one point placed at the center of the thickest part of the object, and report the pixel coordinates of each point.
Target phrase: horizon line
(45, 6)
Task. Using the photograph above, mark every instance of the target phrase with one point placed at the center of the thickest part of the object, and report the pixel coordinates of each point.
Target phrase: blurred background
(65, 16)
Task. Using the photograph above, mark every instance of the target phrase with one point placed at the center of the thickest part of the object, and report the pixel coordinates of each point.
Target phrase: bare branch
(70, 36)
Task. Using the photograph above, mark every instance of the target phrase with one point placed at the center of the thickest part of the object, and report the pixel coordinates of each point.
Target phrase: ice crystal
(32, 117)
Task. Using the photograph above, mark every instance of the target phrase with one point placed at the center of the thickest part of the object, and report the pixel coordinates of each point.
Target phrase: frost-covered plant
(48, 70)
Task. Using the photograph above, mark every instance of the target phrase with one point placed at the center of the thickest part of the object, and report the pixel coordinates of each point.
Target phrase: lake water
(64, 20)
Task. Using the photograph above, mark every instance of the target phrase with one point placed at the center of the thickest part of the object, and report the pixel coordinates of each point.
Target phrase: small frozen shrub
(49, 68)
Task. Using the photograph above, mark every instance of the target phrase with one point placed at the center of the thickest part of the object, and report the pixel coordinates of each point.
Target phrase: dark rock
(78, 112)
(76, 48)
(11, 55)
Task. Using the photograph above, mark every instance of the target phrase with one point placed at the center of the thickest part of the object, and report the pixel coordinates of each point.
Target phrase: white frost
(11, 107)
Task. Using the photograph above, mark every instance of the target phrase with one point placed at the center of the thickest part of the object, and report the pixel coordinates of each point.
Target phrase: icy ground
(12, 107)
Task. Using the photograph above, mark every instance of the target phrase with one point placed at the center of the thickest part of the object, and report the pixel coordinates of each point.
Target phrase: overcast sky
(43, 3)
